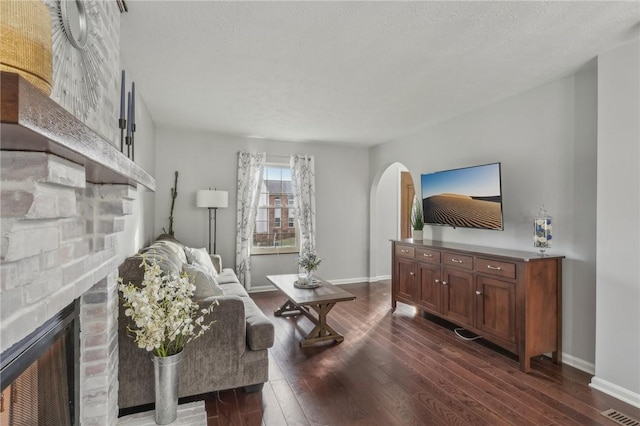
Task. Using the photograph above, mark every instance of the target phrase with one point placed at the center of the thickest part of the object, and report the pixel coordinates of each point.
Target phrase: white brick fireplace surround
(59, 223)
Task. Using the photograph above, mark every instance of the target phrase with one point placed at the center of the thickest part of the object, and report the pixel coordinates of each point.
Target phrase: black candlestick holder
(133, 146)
(127, 141)
(122, 123)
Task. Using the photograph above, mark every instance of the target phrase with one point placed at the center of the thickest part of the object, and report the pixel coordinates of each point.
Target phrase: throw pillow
(201, 257)
(206, 285)
(174, 248)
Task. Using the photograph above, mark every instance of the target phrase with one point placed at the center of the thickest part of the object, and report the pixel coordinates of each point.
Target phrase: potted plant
(309, 262)
(417, 219)
(166, 318)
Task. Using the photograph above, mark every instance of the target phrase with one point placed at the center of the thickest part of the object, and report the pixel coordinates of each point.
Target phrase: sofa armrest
(216, 259)
(260, 331)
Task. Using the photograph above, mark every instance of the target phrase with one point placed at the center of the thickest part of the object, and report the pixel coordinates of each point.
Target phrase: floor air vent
(620, 418)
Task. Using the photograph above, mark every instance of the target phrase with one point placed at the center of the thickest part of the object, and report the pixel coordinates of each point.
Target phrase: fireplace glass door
(40, 395)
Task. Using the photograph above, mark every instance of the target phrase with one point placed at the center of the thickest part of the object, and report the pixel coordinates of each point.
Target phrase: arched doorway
(390, 190)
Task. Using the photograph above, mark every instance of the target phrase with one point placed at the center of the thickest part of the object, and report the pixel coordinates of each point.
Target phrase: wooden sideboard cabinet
(510, 298)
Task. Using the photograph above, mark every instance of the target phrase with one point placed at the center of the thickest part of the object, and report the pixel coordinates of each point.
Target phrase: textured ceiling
(354, 72)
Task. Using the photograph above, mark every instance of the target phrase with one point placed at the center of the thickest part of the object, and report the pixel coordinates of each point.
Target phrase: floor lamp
(213, 200)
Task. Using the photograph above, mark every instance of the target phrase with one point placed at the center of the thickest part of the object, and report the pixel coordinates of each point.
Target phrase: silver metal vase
(166, 386)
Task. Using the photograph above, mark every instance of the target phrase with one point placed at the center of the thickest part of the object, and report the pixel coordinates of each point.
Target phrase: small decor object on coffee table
(166, 318)
(542, 230)
(309, 262)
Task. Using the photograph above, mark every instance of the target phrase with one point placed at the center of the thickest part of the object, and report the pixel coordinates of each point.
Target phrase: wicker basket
(25, 41)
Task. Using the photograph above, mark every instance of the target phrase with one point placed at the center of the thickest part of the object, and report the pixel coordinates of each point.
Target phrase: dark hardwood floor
(397, 368)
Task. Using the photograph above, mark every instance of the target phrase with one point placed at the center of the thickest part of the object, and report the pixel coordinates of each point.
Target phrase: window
(277, 218)
(271, 234)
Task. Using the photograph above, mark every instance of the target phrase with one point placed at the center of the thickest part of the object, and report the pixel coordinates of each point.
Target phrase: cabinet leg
(525, 364)
(556, 357)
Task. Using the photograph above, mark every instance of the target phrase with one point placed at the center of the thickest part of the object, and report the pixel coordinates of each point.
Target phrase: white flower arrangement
(309, 260)
(165, 315)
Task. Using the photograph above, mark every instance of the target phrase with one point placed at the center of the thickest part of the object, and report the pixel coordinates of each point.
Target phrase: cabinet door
(405, 269)
(495, 308)
(429, 287)
(458, 290)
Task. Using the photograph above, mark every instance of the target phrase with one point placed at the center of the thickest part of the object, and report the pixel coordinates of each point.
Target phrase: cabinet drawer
(429, 256)
(457, 260)
(495, 267)
(405, 251)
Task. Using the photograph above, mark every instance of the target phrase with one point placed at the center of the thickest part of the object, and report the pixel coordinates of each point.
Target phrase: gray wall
(546, 141)
(210, 160)
(618, 266)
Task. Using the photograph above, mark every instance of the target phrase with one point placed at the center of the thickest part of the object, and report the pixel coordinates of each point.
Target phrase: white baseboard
(262, 289)
(379, 278)
(349, 280)
(616, 391)
(580, 364)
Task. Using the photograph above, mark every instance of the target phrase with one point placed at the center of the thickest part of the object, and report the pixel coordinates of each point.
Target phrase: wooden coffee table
(321, 299)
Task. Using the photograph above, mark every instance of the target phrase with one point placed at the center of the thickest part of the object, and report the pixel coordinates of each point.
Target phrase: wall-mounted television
(469, 197)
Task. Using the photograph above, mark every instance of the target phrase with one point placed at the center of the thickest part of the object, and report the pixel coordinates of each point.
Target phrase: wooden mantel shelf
(31, 121)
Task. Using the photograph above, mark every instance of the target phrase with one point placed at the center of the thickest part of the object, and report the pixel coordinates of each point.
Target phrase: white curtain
(250, 171)
(303, 177)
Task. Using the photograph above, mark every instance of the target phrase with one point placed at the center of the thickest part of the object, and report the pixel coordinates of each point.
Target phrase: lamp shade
(211, 198)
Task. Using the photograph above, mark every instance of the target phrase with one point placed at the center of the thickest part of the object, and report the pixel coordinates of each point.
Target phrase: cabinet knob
(444, 283)
(478, 292)
(411, 273)
(437, 281)
(404, 251)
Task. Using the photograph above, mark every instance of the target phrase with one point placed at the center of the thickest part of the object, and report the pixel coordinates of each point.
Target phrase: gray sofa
(232, 354)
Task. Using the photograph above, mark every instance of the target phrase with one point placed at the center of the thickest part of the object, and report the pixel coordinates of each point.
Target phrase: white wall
(618, 266)
(546, 141)
(206, 160)
(385, 203)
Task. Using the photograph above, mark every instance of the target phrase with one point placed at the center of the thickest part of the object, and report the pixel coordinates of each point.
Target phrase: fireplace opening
(38, 375)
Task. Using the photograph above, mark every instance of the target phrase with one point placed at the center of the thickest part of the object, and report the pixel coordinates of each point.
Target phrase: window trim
(260, 251)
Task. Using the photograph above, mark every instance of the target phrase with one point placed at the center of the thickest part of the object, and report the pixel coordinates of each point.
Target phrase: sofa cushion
(201, 257)
(227, 276)
(206, 285)
(234, 289)
(167, 254)
(176, 249)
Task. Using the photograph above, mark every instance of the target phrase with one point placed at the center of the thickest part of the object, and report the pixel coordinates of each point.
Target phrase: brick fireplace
(65, 192)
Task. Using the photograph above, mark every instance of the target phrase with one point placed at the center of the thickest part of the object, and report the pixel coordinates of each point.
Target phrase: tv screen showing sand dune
(470, 197)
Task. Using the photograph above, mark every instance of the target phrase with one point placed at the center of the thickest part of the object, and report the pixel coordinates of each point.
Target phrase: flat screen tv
(469, 197)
